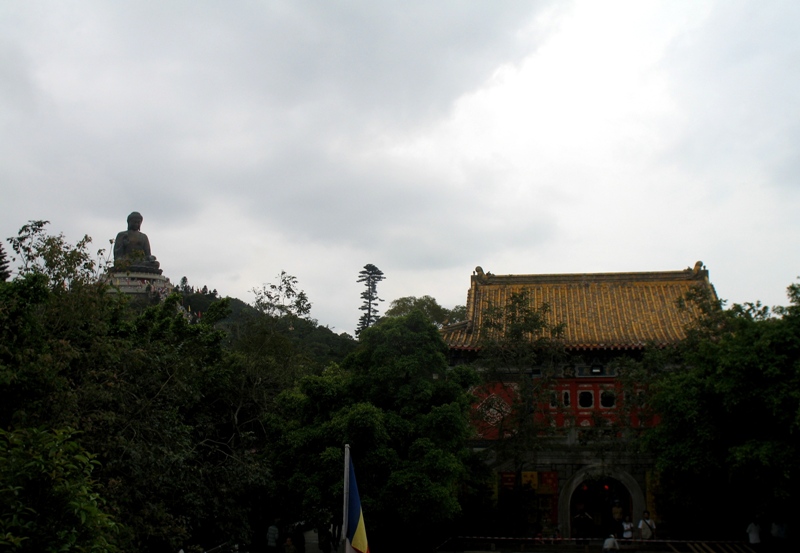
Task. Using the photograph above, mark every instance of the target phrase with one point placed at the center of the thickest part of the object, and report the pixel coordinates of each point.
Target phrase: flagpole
(345, 529)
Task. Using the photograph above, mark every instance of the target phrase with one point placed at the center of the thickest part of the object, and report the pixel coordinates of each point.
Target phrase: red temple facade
(580, 478)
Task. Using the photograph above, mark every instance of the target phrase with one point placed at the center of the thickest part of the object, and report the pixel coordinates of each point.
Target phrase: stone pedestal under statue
(136, 271)
(140, 284)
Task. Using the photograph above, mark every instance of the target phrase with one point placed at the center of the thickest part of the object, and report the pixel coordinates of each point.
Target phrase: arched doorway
(597, 507)
(585, 491)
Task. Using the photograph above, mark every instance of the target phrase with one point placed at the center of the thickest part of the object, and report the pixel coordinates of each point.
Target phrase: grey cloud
(733, 78)
(130, 94)
(395, 61)
(388, 208)
(265, 136)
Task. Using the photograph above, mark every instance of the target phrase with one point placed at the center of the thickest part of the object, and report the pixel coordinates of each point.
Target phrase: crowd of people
(617, 526)
(292, 539)
(758, 537)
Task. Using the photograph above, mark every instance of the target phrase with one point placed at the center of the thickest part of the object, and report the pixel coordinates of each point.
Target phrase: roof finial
(482, 277)
(697, 268)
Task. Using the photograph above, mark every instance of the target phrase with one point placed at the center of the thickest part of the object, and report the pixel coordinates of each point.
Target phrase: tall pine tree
(370, 275)
(5, 272)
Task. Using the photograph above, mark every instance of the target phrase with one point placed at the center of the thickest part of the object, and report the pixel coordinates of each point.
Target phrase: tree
(437, 314)
(48, 501)
(5, 272)
(458, 314)
(729, 407)
(370, 276)
(63, 264)
(165, 408)
(520, 354)
(405, 415)
(522, 351)
(282, 299)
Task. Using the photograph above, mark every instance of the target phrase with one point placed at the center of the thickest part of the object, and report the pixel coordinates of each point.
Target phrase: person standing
(617, 519)
(627, 528)
(647, 527)
(272, 537)
(754, 535)
(778, 532)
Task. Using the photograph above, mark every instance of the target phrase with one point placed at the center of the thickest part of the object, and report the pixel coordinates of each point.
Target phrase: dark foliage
(405, 415)
(435, 313)
(729, 402)
(48, 497)
(521, 352)
(170, 410)
(5, 272)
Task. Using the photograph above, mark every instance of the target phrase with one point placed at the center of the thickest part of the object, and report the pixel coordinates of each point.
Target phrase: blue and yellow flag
(356, 532)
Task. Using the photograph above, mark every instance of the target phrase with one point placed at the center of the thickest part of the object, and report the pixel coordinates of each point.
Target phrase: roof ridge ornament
(482, 277)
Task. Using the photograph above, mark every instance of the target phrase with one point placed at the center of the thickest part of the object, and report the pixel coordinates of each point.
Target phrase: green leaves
(521, 349)
(157, 399)
(517, 336)
(282, 299)
(48, 501)
(63, 264)
(404, 414)
(729, 408)
(435, 313)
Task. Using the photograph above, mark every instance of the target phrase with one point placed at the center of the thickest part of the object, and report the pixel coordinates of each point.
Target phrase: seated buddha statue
(132, 249)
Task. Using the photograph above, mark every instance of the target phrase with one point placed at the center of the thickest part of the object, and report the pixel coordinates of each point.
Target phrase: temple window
(608, 399)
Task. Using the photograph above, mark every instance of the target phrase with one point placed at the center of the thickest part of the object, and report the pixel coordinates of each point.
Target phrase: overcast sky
(423, 137)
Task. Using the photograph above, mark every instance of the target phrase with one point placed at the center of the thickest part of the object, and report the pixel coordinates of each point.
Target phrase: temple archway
(592, 497)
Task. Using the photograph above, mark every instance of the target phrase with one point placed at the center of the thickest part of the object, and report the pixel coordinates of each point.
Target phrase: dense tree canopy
(48, 496)
(437, 314)
(152, 397)
(170, 409)
(140, 427)
(406, 417)
(189, 431)
(729, 404)
(521, 349)
(520, 352)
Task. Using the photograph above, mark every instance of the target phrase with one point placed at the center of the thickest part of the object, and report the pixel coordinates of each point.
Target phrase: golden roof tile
(599, 310)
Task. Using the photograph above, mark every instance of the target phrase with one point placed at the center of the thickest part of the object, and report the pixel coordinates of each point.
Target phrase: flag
(356, 532)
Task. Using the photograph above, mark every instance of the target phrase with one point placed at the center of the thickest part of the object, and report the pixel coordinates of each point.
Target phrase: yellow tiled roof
(600, 310)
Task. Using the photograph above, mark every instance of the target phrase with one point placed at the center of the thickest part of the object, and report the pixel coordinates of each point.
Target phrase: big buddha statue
(132, 249)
